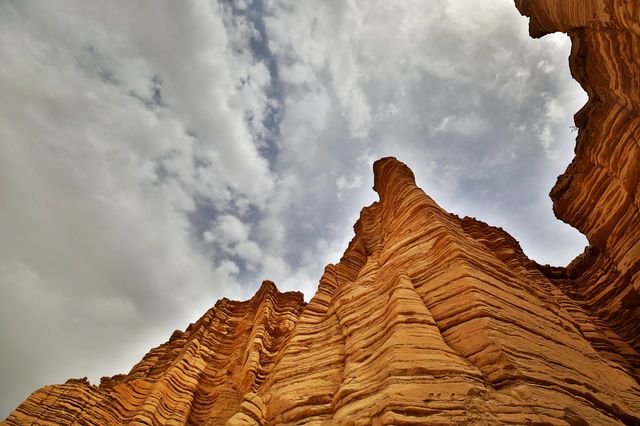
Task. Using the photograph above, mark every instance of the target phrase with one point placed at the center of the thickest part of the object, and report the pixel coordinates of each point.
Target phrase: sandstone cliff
(429, 318)
(599, 193)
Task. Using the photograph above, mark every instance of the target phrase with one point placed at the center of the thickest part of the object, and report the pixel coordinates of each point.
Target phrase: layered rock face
(599, 193)
(200, 376)
(429, 318)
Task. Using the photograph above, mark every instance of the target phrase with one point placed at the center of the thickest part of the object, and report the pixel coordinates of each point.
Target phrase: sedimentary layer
(429, 318)
(200, 376)
(599, 193)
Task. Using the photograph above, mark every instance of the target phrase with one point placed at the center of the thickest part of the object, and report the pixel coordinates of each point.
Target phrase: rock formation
(599, 193)
(429, 318)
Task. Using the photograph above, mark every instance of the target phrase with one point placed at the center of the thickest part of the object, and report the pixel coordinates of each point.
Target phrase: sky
(156, 156)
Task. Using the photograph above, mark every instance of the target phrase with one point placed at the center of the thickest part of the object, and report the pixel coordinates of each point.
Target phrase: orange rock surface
(200, 376)
(429, 318)
(599, 193)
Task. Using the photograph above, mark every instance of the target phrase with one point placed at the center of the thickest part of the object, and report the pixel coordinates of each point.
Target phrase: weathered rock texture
(429, 318)
(200, 376)
(599, 193)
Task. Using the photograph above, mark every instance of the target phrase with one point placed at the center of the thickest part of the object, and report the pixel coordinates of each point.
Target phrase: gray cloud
(157, 156)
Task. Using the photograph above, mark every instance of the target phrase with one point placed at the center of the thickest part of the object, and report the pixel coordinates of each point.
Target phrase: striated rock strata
(429, 318)
(599, 193)
(200, 376)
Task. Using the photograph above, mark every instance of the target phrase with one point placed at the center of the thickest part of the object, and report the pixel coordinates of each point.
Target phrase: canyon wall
(599, 193)
(429, 318)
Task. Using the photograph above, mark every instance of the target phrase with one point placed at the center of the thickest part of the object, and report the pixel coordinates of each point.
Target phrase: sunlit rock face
(200, 376)
(429, 318)
(599, 193)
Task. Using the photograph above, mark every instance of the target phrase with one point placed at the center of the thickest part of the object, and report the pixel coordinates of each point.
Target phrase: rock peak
(269, 290)
(267, 287)
(387, 172)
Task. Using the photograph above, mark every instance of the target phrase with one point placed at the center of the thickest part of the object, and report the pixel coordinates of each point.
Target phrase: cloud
(117, 123)
(229, 230)
(453, 90)
(232, 236)
(467, 125)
